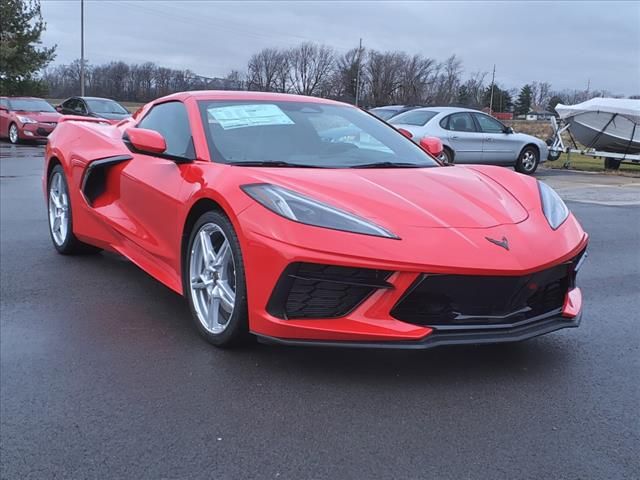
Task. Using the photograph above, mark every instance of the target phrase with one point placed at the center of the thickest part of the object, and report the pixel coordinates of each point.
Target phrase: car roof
(22, 98)
(245, 95)
(445, 109)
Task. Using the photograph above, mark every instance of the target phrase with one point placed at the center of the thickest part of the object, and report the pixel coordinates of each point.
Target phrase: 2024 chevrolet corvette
(307, 221)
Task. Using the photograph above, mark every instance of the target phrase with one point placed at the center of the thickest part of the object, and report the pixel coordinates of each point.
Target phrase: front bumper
(516, 333)
(36, 131)
(270, 248)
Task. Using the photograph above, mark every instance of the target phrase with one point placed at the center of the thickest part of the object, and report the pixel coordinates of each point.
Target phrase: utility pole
(82, 48)
(358, 73)
(493, 83)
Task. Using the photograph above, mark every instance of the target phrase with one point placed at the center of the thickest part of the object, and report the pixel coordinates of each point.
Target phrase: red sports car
(307, 221)
(26, 118)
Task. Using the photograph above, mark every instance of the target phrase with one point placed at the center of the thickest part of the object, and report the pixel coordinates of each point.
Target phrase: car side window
(170, 119)
(488, 124)
(80, 107)
(459, 122)
(4, 103)
(70, 104)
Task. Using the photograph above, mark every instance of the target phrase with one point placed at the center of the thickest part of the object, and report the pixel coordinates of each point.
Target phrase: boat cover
(622, 106)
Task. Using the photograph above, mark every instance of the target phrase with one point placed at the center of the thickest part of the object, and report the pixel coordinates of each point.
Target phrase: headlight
(299, 208)
(553, 206)
(25, 119)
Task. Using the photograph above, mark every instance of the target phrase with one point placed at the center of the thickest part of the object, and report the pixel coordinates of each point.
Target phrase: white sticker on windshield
(241, 116)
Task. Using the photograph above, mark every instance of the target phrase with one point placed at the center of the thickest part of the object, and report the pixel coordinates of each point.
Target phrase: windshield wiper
(389, 165)
(278, 164)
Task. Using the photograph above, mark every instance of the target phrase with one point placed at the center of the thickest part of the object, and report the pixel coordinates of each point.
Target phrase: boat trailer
(612, 160)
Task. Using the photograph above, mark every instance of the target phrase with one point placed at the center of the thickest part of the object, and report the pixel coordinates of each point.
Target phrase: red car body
(468, 227)
(38, 127)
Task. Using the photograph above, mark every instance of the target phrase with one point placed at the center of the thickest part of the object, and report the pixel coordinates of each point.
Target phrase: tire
(446, 156)
(59, 214)
(213, 270)
(14, 136)
(612, 164)
(528, 160)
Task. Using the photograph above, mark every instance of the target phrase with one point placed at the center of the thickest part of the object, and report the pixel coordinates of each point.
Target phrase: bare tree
(448, 81)
(346, 74)
(310, 66)
(267, 70)
(414, 75)
(384, 78)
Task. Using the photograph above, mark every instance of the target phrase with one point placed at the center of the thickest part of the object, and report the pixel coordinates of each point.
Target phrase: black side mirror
(508, 130)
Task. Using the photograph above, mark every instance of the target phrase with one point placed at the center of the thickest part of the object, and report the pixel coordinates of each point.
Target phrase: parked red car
(26, 118)
(306, 221)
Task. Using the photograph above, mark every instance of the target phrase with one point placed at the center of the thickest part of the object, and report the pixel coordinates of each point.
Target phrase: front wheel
(528, 160)
(14, 136)
(214, 281)
(446, 156)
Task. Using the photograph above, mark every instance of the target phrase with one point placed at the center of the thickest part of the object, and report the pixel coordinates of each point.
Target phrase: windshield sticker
(242, 116)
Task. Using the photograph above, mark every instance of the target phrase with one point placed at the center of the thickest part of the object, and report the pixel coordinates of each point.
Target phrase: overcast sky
(565, 43)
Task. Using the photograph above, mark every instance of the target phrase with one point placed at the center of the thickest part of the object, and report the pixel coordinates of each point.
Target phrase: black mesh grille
(448, 300)
(307, 290)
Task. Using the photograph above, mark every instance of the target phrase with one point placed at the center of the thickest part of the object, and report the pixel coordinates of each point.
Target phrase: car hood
(48, 117)
(438, 197)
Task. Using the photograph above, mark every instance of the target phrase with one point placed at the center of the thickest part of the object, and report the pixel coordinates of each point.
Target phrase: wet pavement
(102, 375)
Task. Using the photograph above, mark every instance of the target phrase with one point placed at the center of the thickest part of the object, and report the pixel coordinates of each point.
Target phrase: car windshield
(413, 117)
(383, 113)
(304, 134)
(105, 106)
(30, 105)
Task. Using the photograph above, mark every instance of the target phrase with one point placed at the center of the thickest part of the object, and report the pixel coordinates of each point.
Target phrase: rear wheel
(214, 281)
(60, 219)
(528, 160)
(14, 136)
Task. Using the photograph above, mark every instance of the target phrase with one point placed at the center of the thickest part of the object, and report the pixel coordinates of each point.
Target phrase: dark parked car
(94, 107)
(389, 111)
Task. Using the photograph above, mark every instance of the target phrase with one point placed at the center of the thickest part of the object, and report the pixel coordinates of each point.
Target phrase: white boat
(604, 124)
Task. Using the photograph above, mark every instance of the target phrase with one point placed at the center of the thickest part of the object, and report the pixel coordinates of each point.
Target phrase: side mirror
(432, 145)
(406, 133)
(59, 108)
(508, 130)
(145, 141)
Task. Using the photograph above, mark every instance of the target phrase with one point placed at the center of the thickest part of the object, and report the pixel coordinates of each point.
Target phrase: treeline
(376, 78)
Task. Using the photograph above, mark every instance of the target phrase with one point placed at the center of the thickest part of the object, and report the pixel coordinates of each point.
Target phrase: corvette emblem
(504, 243)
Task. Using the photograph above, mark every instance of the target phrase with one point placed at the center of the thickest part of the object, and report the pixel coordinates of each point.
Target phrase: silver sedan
(470, 136)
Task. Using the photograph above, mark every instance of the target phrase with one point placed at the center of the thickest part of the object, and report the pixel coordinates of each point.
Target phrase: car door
(463, 136)
(149, 190)
(498, 146)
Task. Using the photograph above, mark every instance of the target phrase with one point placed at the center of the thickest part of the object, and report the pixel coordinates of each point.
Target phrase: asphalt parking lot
(102, 375)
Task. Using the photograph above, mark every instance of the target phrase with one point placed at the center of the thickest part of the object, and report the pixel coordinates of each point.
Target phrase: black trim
(437, 339)
(302, 285)
(93, 181)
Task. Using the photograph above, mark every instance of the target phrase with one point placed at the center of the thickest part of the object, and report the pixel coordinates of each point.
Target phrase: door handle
(454, 137)
(488, 139)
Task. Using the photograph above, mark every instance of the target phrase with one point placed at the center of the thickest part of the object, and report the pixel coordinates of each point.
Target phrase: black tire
(612, 164)
(71, 245)
(528, 160)
(16, 139)
(236, 331)
(446, 156)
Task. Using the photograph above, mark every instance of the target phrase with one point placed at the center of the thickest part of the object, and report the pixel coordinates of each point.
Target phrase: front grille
(43, 132)
(308, 290)
(450, 301)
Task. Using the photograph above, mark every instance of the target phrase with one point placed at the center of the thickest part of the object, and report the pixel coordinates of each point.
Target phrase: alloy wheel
(528, 160)
(58, 209)
(13, 133)
(212, 278)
